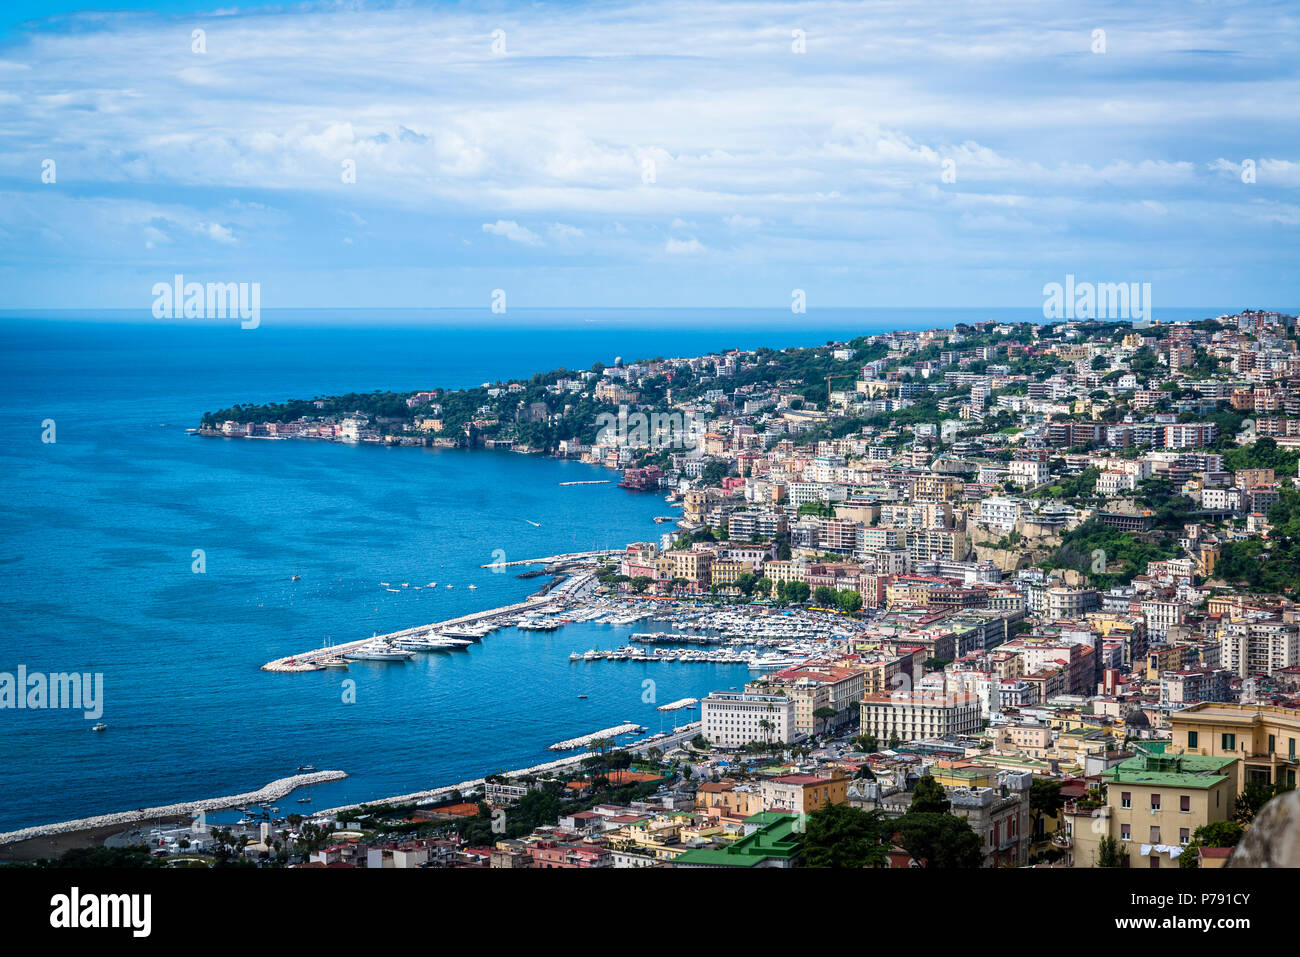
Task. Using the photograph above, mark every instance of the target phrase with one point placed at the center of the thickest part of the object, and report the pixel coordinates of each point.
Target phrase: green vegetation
(1080, 487)
(1106, 555)
(1214, 834)
(1271, 565)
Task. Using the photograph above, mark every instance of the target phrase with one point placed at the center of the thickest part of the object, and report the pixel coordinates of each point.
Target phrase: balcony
(1085, 808)
(1063, 840)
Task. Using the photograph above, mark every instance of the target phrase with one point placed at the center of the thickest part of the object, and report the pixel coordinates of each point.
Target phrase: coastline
(273, 791)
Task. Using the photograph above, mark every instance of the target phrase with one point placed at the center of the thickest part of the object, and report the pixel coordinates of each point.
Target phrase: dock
(588, 482)
(310, 660)
(569, 559)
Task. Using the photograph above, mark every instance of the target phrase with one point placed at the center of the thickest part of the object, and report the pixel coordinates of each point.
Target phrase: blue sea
(101, 525)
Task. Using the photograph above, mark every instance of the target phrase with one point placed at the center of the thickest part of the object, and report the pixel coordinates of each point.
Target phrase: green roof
(775, 837)
(1154, 767)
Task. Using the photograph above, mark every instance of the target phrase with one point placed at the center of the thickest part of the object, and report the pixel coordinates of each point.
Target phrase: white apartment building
(1029, 473)
(919, 715)
(732, 720)
(1001, 512)
(1161, 616)
(1259, 645)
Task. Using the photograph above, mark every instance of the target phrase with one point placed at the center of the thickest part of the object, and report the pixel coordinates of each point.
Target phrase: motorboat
(378, 651)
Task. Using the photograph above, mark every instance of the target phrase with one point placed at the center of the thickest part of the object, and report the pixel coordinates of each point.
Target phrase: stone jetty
(272, 792)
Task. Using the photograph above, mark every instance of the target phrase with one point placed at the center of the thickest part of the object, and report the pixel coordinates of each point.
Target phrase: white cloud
(513, 231)
(683, 247)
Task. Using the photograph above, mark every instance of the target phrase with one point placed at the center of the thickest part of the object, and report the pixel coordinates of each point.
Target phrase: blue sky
(650, 154)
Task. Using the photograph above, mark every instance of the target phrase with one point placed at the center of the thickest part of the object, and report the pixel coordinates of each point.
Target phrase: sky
(664, 154)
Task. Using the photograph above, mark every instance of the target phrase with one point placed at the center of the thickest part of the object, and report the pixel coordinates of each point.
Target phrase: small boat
(384, 584)
(100, 727)
(472, 587)
(582, 697)
(451, 586)
(395, 591)
(306, 767)
(532, 523)
(406, 584)
(304, 800)
(433, 584)
(296, 578)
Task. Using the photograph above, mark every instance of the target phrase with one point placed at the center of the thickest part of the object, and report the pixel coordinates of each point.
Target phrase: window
(1124, 833)
(1155, 861)
(1291, 750)
(1272, 741)
(1125, 799)
(1192, 738)
(1185, 803)
(1155, 802)
(1155, 834)
(1184, 835)
(1228, 742)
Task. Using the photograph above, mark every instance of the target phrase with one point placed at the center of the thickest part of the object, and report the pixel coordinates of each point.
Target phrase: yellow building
(726, 799)
(1153, 805)
(1265, 738)
(963, 774)
(725, 572)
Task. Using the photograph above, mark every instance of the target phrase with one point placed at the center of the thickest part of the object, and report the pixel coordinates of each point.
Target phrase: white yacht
(378, 651)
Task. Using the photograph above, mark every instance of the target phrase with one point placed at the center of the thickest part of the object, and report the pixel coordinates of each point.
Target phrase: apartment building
(913, 715)
(1264, 738)
(1259, 644)
(733, 720)
(1154, 804)
(804, 793)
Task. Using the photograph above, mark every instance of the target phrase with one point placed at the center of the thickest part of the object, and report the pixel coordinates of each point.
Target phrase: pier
(572, 558)
(310, 660)
(679, 704)
(271, 792)
(571, 743)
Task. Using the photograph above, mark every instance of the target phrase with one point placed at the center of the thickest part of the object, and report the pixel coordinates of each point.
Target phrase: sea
(108, 507)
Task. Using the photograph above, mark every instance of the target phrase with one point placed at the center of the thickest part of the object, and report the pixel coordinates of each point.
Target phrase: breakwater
(272, 792)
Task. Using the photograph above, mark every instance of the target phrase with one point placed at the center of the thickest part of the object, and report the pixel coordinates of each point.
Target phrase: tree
(824, 596)
(824, 714)
(940, 840)
(929, 797)
(763, 586)
(1044, 800)
(840, 835)
(1251, 801)
(849, 601)
(1109, 855)
(1214, 834)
